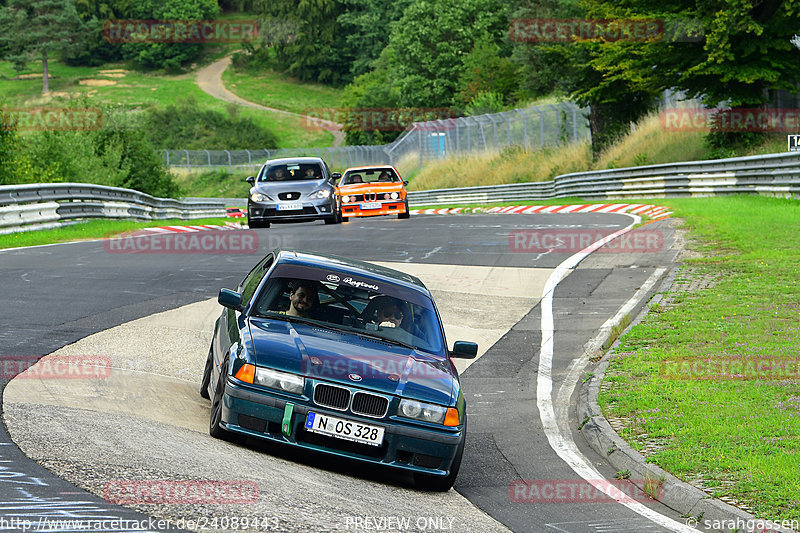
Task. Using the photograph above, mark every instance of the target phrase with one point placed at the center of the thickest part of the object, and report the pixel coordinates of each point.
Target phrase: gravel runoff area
(146, 421)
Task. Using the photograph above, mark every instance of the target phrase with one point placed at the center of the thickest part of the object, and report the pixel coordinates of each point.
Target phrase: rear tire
(215, 428)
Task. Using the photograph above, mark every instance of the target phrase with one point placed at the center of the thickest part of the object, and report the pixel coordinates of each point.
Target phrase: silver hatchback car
(293, 190)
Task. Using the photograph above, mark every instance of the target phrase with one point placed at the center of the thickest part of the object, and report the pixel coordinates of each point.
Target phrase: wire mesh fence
(532, 128)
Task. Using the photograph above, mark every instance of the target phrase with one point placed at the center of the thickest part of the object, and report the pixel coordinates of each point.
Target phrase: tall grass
(648, 143)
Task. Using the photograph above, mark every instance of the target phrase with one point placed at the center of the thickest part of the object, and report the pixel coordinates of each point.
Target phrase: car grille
(307, 210)
(356, 197)
(338, 398)
(369, 404)
(333, 397)
(289, 195)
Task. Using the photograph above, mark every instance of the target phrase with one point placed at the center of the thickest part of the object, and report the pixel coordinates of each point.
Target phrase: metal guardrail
(51, 205)
(773, 175)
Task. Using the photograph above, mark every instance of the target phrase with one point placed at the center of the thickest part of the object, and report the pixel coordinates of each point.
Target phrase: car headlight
(258, 197)
(395, 196)
(426, 412)
(321, 194)
(275, 379)
(345, 199)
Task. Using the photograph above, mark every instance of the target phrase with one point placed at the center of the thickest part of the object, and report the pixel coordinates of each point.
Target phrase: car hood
(301, 186)
(356, 188)
(342, 357)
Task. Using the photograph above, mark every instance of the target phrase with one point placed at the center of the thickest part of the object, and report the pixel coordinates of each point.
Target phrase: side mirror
(336, 175)
(405, 182)
(464, 350)
(230, 299)
(251, 180)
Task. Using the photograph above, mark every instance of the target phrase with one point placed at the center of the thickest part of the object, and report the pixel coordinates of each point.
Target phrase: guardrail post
(208, 156)
(188, 164)
(230, 163)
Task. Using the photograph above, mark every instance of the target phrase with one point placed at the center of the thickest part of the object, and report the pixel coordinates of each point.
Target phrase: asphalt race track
(151, 315)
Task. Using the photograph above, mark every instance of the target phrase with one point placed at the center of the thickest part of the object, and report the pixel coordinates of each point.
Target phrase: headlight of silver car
(258, 197)
(426, 412)
(284, 381)
(320, 194)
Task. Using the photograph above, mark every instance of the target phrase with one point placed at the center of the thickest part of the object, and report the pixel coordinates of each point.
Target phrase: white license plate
(290, 207)
(371, 205)
(344, 429)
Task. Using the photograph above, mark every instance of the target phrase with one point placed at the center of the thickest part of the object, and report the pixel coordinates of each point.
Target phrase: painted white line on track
(559, 442)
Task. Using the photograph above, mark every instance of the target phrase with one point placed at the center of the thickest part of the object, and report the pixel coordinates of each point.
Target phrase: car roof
(370, 167)
(285, 160)
(350, 266)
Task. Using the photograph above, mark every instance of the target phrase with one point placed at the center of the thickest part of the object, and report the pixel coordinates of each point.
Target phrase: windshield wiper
(384, 339)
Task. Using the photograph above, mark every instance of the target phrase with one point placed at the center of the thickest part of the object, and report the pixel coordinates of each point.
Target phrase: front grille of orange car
(356, 197)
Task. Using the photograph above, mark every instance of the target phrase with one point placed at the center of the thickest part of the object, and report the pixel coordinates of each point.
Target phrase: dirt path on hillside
(209, 79)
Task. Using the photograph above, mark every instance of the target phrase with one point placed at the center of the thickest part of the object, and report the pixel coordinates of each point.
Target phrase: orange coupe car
(373, 190)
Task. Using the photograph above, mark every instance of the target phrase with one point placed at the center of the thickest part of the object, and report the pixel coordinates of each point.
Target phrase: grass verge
(680, 382)
(94, 229)
(119, 84)
(279, 91)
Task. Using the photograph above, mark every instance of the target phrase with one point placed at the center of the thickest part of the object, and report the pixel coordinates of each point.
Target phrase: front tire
(443, 483)
(207, 375)
(406, 214)
(215, 428)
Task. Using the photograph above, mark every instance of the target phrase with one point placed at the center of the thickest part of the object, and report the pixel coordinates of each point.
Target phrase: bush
(485, 102)
(185, 126)
(169, 56)
(119, 154)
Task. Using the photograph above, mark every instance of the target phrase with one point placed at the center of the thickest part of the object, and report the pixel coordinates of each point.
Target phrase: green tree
(729, 51)
(429, 44)
(317, 49)
(169, 56)
(486, 71)
(373, 90)
(31, 28)
(92, 48)
(367, 26)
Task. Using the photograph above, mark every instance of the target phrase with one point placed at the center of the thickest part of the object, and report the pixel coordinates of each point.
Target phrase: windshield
(392, 313)
(291, 172)
(370, 175)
